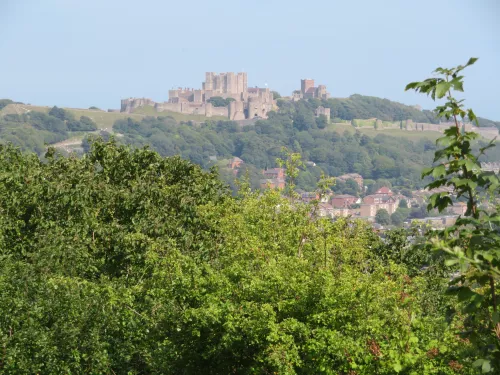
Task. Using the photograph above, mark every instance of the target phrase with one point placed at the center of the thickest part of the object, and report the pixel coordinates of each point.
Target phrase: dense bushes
(126, 262)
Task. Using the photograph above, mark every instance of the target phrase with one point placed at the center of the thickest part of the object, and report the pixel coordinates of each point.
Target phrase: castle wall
(219, 111)
(130, 104)
(236, 111)
(165, 106)
(198, 96)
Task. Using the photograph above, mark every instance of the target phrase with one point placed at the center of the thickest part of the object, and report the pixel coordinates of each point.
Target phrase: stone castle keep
(308, 90)
(248, 103)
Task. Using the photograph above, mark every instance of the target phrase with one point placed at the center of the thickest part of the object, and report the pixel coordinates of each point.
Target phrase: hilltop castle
(247, 102)
(308, 90)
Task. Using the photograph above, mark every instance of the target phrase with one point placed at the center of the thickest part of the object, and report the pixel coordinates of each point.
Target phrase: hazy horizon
(94, 53)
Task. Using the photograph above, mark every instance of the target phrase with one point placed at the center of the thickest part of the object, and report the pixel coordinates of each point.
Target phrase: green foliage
(472, 244)
(126, 262)
(32, 131)
(5, 102)
(398, 218)
(61, 114)
(367, 107)
(85, 124)
(398, 161)
(218, 101)
(403, 203)
(382, 217)
(292, 162)
(321, 121)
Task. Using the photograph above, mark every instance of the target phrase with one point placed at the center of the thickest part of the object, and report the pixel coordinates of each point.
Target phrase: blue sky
(79, 53)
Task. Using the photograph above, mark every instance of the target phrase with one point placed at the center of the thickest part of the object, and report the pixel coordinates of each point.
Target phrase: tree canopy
(123, 261)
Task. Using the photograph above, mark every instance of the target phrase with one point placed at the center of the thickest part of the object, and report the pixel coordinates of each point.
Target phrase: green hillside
(105, 120)
(388, 153)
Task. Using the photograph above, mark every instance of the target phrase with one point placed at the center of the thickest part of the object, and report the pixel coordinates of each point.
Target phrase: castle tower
(306, 84)
(236, 111)
(232, 83)
(218, 83)
(254, 107)
(209, 81)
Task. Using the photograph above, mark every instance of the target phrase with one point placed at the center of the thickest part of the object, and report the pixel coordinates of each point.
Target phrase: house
(342, 212)
(274, 178)
(373, 203)
(274, 173)
(385, 191)
(438, 221)
(235, 163)
(325, 210)
(379, 198)
(343, 200)
(307, 197)
(272, 183)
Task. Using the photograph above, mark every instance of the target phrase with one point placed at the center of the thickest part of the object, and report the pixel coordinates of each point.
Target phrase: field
(150, 111)
(371, 132)
(403, 134)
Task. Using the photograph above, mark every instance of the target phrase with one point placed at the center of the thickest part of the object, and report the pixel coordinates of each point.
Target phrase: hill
(366, 107)
(103, 119)
(383, 152)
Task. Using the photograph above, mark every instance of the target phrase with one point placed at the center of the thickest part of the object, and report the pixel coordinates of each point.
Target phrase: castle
(308, 90)
(247, 103)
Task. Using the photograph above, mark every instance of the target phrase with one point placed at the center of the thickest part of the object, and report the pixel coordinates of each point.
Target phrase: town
(366, 206)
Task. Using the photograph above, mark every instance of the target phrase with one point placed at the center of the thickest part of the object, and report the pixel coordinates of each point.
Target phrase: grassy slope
(150, 111)
(105, 120)
(371, 132)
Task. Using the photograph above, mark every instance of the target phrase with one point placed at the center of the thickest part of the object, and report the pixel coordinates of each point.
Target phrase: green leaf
(471, 61)
(457, 84)
(478, 363)
(486, 366)
(438, 171)
(495, 317)
(442, 88)
(397, 366)
(465, 293)
(451, 262)
(411, 85)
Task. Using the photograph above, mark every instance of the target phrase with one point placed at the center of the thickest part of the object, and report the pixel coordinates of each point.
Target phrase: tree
(276, 95)
(60, 113)
(5, 102)
(471, 245)
(382, 217)
(218, 101)
(397, 218)
(403, 203)
(321, 121)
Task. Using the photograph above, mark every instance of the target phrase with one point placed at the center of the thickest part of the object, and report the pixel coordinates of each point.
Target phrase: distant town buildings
(274, 178)
(343, 200)
(491, 167)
